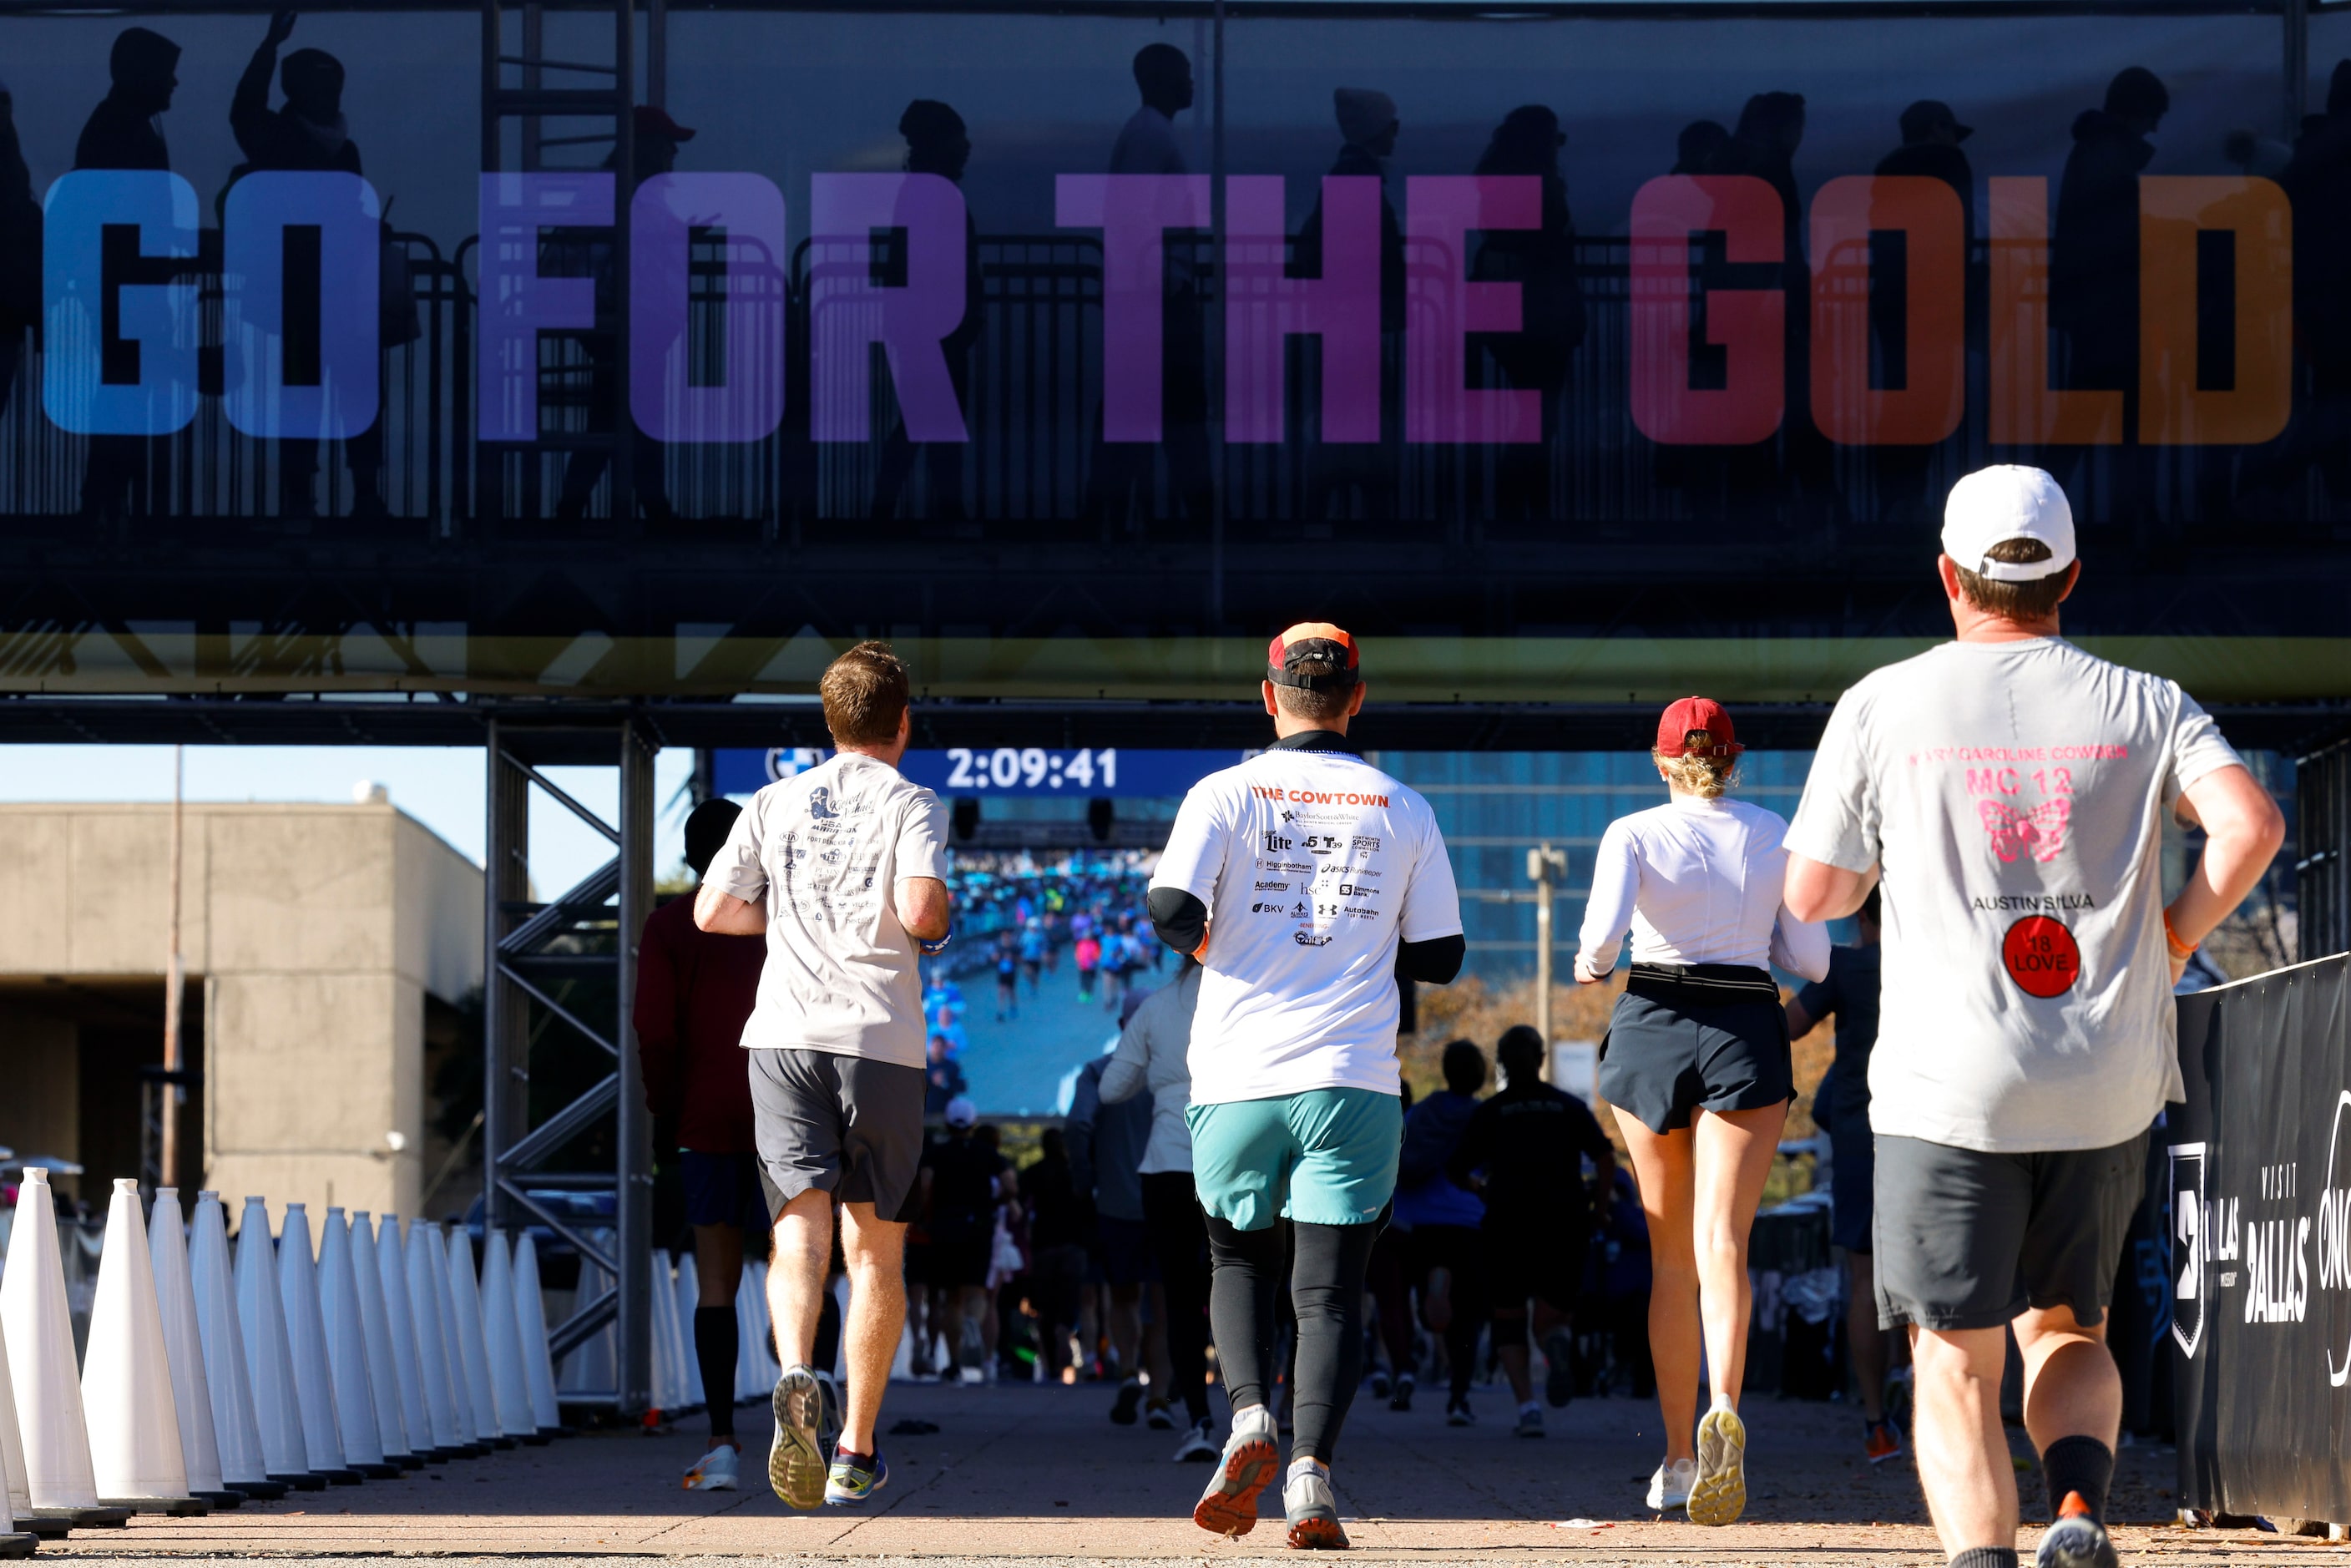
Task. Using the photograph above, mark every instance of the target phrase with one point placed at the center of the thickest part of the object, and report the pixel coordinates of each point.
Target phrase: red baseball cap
(1319, 641)
(1699, 716)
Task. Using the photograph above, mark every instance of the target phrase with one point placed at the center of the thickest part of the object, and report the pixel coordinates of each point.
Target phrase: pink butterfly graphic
(2040, 830)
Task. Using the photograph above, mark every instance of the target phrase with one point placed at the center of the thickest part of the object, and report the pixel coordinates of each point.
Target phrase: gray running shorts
(841, 1123)
(1968, 1239)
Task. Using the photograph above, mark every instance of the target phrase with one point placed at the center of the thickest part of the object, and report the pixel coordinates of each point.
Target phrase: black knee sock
(714, 1346)
(1326, 1286)
(1986, 1557)
(1244, 1284)
(2078, 1464)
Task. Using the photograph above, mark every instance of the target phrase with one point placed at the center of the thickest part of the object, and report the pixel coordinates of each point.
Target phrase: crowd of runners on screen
(1244, 1201)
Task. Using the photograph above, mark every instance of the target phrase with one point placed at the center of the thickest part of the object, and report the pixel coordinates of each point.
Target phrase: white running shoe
(1719, 1496)
(1670, 1486)
(1198, 1446)
(1313, 1510)
(1246, 1463)
(796, 1467)
(717, 1470)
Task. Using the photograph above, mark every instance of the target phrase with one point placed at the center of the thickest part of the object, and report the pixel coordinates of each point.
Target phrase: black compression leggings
(1326, 1288)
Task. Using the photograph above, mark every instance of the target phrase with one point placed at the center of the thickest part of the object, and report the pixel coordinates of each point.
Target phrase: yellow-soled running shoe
(1719, 1496)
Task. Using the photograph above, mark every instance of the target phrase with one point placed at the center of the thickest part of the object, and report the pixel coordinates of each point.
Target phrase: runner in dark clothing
(1523, 1151)
(962, 1180)
(1842, 1108)
(1442, 1245)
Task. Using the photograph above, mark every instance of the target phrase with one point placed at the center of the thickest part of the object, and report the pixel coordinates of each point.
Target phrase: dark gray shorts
(1662, 1063)
(1968, 1239)
(840, 1123)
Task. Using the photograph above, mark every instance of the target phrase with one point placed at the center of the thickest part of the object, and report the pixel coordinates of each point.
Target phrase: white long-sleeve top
(1152, 1054)
(1698, 882)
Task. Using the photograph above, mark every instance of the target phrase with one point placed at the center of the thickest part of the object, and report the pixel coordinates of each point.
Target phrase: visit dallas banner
(2261, 1232)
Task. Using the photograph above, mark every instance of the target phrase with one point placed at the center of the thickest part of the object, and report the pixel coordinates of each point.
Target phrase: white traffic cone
(593, 1369)
(763, 1343)
(689, 1297)
(175, 1300)
(384, 1368)
(502, 1340)
(268, 1360)
(530, 1317)
(661, 1387)
(236, 1432)
(305, 1341)
(354, 1386)
(428, 1304)
(40, 1339)
(12, 1444)
(473, 1349)
(126, 1379)
(391, 1271)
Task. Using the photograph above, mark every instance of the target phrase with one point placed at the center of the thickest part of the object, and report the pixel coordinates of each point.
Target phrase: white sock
(1304, 1464)
(1530, 1405)
(1256, 1421)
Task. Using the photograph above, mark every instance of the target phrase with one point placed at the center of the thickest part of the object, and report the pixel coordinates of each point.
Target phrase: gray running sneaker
(795, 1460)
(2075, 1540)
(1248, 1465)
(1531, 1422)
(1313, 1511)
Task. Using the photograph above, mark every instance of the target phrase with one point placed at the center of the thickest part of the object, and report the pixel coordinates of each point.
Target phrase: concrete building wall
(315, 934)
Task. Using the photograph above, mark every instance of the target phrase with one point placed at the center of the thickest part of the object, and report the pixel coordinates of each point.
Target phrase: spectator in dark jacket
(695, 991)
(2094, 244)
(1541, 262)
(124, 132)
(308, 135)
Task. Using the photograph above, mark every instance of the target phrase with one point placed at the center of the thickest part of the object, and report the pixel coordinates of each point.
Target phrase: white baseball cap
(961, 1112)
(2007, 501)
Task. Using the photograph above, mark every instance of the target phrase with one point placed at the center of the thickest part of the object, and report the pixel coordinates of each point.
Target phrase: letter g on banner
(1747, 322)
(336, 395)
(120, 318)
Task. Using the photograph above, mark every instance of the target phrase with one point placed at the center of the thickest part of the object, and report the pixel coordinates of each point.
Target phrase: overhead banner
(2261, 1243)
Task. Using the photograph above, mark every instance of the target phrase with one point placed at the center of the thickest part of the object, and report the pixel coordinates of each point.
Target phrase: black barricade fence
(2261, 1231)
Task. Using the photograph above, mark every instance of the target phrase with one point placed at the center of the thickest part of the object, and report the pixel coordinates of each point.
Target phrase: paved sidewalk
(1039, 1474)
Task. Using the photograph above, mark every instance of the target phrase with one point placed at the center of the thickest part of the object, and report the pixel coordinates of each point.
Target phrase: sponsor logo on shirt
(1322, 844)
(1311, 938)
(1276, 844)
(1271, 887)
(1299, 909)
(1349, 890)
(1360, 913)
(1263, 908)
(1294, 866)
(1364, 846)
(2041, 957)
(821, 803)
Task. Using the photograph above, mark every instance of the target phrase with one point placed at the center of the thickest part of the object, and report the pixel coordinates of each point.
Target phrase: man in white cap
(2009, 789)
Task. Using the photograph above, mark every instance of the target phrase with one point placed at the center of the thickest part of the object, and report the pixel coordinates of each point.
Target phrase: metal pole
(635, 1152)
(505, 1020)
(174, 1096)
(1539, 869)
(624, 190)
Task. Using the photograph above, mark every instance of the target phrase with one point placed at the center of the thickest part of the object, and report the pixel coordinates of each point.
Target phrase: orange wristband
(2171, 939)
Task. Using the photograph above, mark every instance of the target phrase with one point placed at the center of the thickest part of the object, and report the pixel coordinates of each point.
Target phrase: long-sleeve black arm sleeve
(1434, 962)
(1182, 920)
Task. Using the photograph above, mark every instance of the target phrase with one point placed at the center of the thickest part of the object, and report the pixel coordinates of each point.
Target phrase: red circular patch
(2040, 956)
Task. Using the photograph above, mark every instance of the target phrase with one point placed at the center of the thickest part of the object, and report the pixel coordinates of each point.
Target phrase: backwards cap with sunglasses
(1329, 651)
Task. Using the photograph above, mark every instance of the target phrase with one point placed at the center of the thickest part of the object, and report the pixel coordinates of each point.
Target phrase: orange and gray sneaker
(2076, 1541)
(1718, 1496)
(1312, 1508)
(1881, 1441)
(1248, 1465)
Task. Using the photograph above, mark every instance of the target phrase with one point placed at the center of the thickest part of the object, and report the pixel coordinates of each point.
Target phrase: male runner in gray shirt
(842, 868)
(2009, 788)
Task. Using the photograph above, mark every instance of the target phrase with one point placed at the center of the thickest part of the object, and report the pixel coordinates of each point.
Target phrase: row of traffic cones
(206, 1383)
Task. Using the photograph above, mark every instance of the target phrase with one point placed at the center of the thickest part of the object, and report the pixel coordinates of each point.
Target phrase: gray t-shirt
(2013, 794)
(825, 850)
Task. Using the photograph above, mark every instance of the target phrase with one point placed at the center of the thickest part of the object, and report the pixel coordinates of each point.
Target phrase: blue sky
(441, 787)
